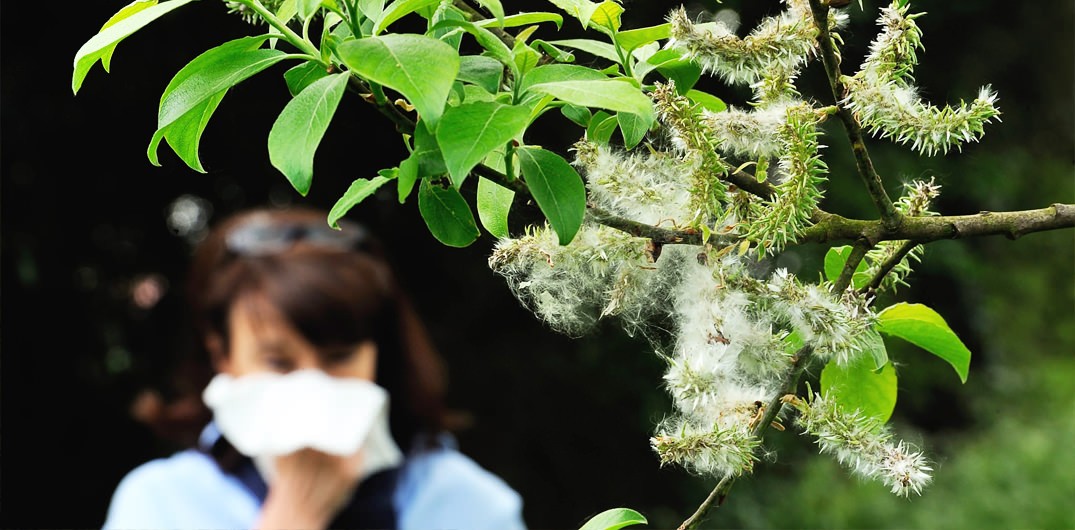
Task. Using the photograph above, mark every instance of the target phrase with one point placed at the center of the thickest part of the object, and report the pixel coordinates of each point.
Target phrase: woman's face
(262, 340)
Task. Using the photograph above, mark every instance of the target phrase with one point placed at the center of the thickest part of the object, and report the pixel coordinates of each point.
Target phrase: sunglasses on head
(262, 236)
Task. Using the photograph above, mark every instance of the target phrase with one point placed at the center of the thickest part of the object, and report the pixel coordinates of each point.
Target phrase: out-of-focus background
(96, 240)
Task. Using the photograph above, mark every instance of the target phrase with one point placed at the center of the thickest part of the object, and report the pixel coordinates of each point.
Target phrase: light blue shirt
(438, 489)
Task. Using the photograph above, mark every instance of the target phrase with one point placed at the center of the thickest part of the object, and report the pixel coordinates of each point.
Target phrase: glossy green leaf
(446, 213)
(523, 19)
(557, 188)
(399, 9)
(473, 94)
(596, 48)
(298, 130)
(469, 132)
(614, 519)
(421, 68)
(214, 71)
(607, 16)
(480, 70)
(632, 127)
(925, 328)
(601, 128)
(609, 94)
(184, 135)
(550, 73)
(300, 76)
(125, 22)
(494, 204)
(835, 258)
(633, 38)
(859, 386)
(707, 101)
(196, 90)
(355, 194)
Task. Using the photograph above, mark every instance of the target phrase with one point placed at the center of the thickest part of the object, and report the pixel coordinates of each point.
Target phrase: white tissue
(265, 415)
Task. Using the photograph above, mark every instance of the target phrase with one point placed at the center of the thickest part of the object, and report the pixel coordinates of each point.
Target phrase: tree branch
(888, 265)
(889, 215)
(858, 253)
(830, 227)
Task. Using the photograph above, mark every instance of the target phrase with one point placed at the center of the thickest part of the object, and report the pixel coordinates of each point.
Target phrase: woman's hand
(309, 488)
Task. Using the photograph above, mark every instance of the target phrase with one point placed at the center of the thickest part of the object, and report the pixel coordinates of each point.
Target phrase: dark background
(565, 421)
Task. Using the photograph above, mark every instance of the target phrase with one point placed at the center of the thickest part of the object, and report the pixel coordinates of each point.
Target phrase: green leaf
(609, 94)
(557, 188)
(482, 71)
(607, 16)
(523, 19)
(580, 9)
(923, 327)
(446, 213)
(298, 130)
(371, 9)
(707, 101)
(300, 76)
(307, 8)
(185, 134)
(859, 386)
(550, 73)
(557, 54)
(398, 10)
(427, 153)
(131, 18)
(421, 68)
(614, 519)
(356, 193)
(602, 125)
(835, 259)
(196, 90)
(494, 7)
(214, 71)
(634, 129)
(494, 203)
(596, 48)
(471, 131)
(406, 177)
(486, 39)
(633, 38)
(524, 57)
(672, 65)
(579, 115)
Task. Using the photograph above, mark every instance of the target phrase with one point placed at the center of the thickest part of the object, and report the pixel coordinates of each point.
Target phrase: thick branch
(831, 227)
(870, 178)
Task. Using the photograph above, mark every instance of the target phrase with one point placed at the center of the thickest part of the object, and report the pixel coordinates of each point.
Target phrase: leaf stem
(293, 38)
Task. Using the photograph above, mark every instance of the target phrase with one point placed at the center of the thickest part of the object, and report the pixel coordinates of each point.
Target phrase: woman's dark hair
(334, 286)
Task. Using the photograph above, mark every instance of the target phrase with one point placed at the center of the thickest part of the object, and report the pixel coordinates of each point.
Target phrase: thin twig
(889, 215)
(893, 259)
(858, 253)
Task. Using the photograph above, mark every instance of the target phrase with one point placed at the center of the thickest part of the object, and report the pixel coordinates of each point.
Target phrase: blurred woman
(325, 408)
